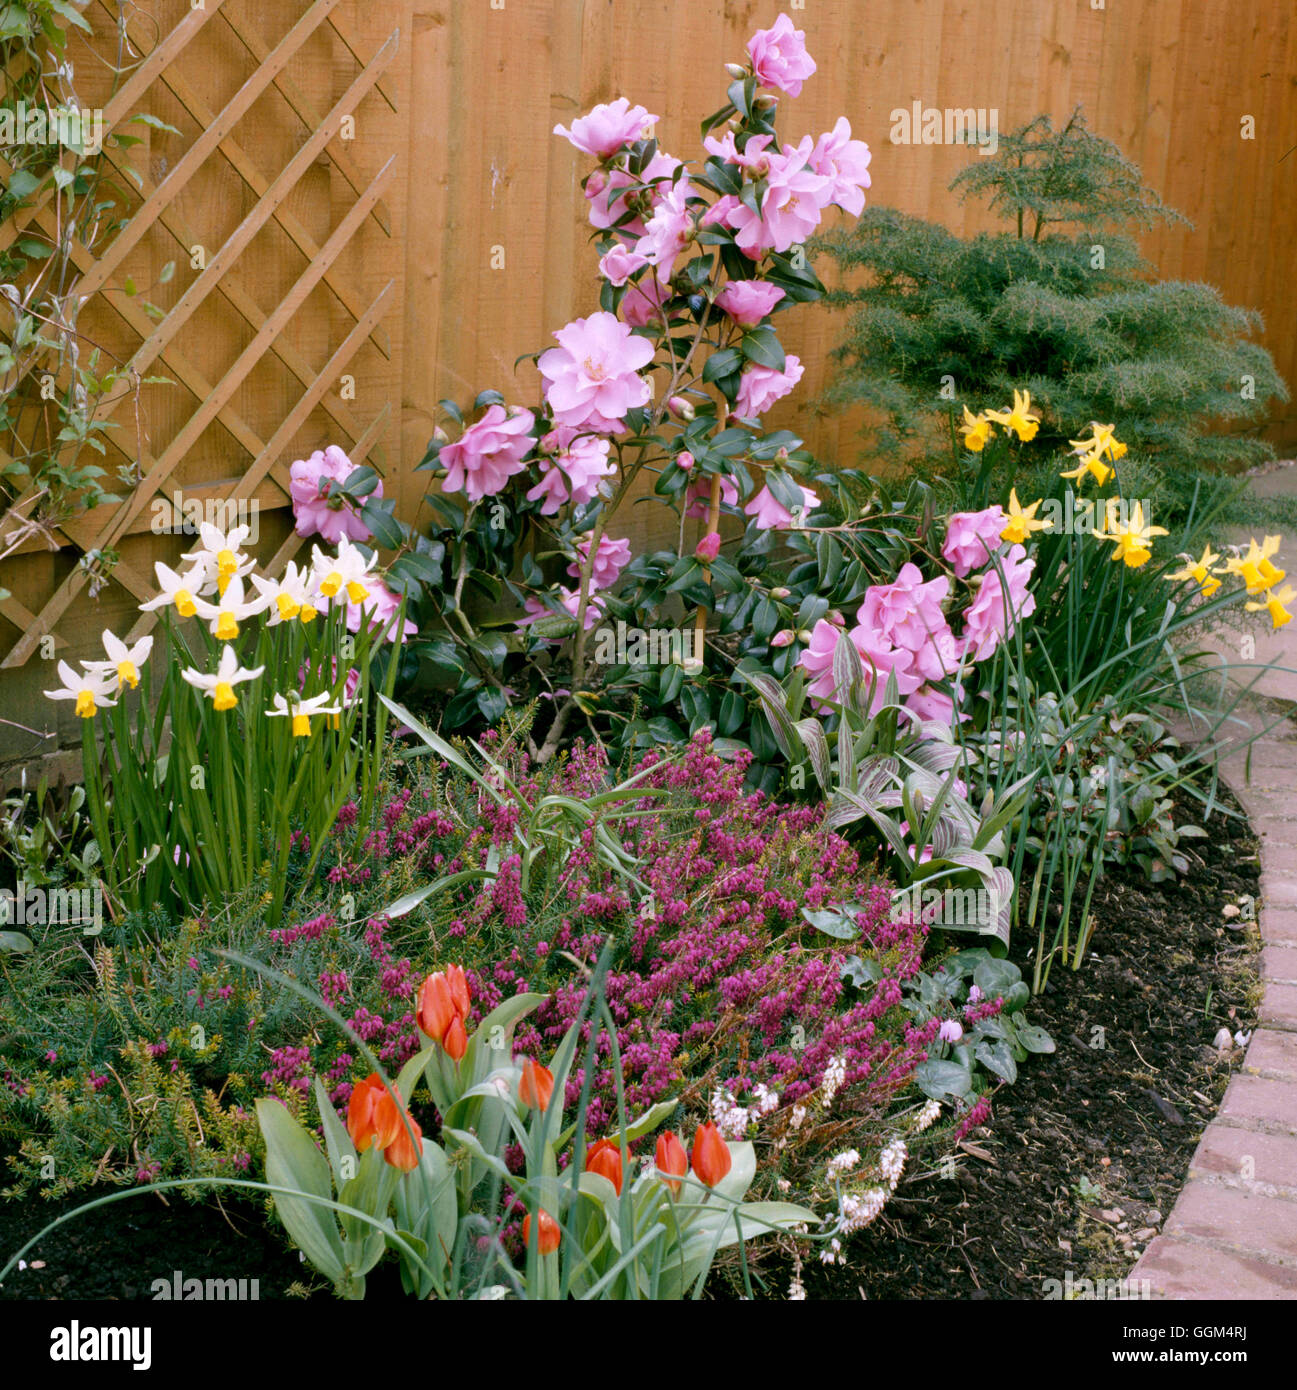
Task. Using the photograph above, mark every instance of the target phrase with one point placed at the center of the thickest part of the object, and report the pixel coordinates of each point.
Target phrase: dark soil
(1083, 1158)
(1085, 1155)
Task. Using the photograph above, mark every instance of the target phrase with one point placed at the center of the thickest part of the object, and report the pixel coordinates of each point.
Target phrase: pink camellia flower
(760, 387)
(699, 495)
(570, 600)
(992, 616)
(972, 538)
(931, 705)
(317, 503)
(720, 212)
(571, 465)
(609, 560)
(747, 302)
(881, 660)
(906, 612)
(489, 453)
(591, 378)
(779, 57)
(642, 303)
(772, 515)
(817, 661)
(619, 263)
(938, 655)
(845, 163)
(668, 231)
(605, 129)
(708, 548)
(379, 607)
(790, 210)
(605, 191)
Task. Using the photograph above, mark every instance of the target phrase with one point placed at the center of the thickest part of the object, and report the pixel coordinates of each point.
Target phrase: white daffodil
(177, 589)
(347, 570)
(219, 556)
(220, 687)
(293, 596)
(87, 689)
(300, 711)
(223, 618)
(123, 662)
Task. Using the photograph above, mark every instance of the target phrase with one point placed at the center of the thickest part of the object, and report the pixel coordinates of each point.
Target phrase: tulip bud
(711, 1156)
(604, 1158)
(436, 1007)
(708, 548)
(456, 1040)
(736, 70)
(681, 408)
(547, 1237)
(670, 1158)
(782, 638)
(537, 1085)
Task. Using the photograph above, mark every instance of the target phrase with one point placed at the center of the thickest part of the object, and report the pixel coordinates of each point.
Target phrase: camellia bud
(680, 408)
(780, 592)
(835, 618)
(670, 1158)
(736, 70)
(804, 635)
(440, 436)
(685, 460)
(708, 548)
(781, 456)
(596, 183)
(782, 638)
(765, 102)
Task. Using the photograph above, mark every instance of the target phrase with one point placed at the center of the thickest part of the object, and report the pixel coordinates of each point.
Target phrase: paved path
(1232, 1233)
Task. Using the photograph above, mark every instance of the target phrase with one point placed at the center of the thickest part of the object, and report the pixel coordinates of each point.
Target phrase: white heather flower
(830, 1252)
(766, 1099)
(928, 1115)
(834, 1075)
(798, 1117)
(843, 1162)
(797, 1292)
(783, 1184)
(730, 1118)
(858, 1209)
(123, 662)
(892, 1161)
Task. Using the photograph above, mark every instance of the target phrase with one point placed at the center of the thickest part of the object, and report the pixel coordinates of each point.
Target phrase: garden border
(1232, 1233)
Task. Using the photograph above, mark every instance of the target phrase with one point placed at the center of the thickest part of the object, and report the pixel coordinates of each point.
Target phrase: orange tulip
(537, 1085)
(711, 1156)
(456, 1040)
(548, 1236)
(406, 1150)
(373, 1119)
(604, 1158)
(670, 1157)
(444, 1002)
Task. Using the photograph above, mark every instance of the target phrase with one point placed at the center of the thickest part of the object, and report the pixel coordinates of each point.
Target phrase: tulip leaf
(294, 1161)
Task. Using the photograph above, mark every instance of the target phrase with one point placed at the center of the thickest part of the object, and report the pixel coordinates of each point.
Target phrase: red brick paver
(1233, 1231)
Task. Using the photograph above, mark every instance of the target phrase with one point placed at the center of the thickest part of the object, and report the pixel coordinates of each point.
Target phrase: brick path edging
(1232, 1233)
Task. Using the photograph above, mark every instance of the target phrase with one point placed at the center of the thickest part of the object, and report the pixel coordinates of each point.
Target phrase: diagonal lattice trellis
(161, 345)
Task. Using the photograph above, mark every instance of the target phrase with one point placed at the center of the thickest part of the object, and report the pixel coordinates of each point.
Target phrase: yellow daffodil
(123, 662)
(976, 430)
(219, 556)
(223, 618)
(1091, 463)
(1274, 604)
(300, 711)
(347, 571)
(219, 688)
(1134, 538)
(1200, 571)
(1255, 568)
(89, 690)
(1100, 442)
(291, 597)
(180, 590)
(1019, 418)
(1022, 521)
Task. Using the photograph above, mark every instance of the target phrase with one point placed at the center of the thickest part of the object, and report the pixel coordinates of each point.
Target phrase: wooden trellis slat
(164, 342)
